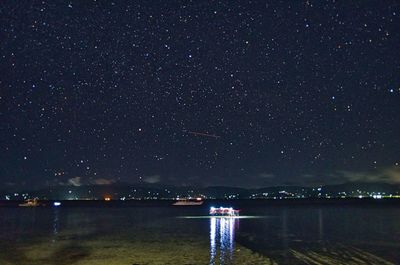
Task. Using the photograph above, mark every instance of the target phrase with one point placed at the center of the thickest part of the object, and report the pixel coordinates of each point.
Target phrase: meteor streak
(203, 134)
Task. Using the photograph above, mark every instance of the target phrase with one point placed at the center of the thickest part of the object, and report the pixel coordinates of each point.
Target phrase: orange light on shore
(198, 199)
(107, 199)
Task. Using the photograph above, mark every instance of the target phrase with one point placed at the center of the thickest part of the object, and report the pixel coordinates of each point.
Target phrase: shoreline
(211, 202)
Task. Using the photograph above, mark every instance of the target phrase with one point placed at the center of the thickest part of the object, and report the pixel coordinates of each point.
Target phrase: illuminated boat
(30, 203)
(222, 211)
(188, 202)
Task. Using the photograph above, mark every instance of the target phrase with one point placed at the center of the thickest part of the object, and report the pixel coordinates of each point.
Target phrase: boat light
(56, 204)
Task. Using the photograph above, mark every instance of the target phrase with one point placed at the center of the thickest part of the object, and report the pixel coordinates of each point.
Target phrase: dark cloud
(102, 181)
(387, 175)
(152, 179)
(76, 181)
(266, 176)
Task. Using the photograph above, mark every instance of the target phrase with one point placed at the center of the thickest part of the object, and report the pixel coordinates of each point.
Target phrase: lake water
(266, 233)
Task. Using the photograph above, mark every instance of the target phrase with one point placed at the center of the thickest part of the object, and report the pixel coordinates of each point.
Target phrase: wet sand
(107, 251)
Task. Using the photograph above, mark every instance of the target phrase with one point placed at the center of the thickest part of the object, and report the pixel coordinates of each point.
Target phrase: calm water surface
(282, 234)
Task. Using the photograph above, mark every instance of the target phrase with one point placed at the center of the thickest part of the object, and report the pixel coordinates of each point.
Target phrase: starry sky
(234, 93)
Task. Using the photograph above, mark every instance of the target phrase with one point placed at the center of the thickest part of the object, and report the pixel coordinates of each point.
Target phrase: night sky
(234, 93)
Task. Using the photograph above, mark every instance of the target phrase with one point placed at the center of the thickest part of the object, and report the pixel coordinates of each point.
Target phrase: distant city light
(56, 204)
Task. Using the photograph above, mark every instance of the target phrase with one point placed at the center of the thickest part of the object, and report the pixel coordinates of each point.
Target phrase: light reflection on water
(55, 224)
(222, 237)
